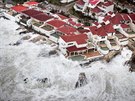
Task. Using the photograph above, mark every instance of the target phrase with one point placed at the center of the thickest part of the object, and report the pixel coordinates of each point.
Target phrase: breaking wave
(21, 67)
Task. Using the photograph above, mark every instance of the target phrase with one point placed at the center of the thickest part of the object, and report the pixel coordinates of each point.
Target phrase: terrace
(112, 42)
(92, 54)
(119, 35)
(47, 28)
(37, 24)
(103, 45)
(56, 34)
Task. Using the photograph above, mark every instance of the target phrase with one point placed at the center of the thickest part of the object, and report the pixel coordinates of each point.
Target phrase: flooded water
(21, 67)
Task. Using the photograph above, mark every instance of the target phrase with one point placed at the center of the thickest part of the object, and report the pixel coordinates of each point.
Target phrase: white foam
(106, 82)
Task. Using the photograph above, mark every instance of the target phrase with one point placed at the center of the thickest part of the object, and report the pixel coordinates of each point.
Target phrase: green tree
(19, 1)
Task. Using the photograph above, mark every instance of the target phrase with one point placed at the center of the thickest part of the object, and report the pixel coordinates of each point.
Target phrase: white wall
(109, 8)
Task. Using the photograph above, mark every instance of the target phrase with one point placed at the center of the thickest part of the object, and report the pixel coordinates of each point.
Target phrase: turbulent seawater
(106, 82)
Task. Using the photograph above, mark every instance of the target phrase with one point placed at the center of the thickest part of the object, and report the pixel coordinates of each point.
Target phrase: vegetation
(55, 2)
(19, 1)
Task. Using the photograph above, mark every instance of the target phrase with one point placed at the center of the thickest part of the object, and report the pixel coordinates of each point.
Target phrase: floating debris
(131, 44)
(111, 55)
(25, 80)
(44, 80)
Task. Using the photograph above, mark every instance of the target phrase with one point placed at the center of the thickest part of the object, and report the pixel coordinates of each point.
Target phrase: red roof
(132, 16)
(56, 23)
(83, 30)
(42, 17)
(124, 26)
(19, 8)
(96, 23)
(71, 22)
(79, 39)
(108, 3)
(107, 17)
(74, 49)
(66, 29)
(62, 16)
(31, 12)
(110, 13)
(94, 2)
(125, 17)
(96, 10)
(31, 3)
(78, 25)
(101, 31)
(93, 29)
(109, 28)
(117, 19)
(80, 2)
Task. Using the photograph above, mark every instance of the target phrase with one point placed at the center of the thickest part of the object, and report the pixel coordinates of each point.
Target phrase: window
(70, 43)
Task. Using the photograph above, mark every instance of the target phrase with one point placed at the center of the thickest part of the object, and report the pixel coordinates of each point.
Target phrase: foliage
(19, 1)
(55, 2)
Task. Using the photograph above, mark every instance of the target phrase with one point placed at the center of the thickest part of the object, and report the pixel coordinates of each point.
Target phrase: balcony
(47, 28)
(37, 24)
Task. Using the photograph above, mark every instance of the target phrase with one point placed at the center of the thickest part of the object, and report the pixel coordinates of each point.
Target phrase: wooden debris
(38, 38)
(131, 44)
(110, 55)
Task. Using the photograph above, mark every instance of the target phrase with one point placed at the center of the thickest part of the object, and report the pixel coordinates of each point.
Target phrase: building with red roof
(19, 8)
(126, 27)
(101, 32)
(73, 23)
(109, 28)
(30, 3)
(93, 30)
(96, 10)
(93, 2)
(31, 12)
(78, 39)
(117, 19)
(75, 49)
(107, 3)
(80, 2)
(62, 17)
(79, 5)
(42, 17)
(125, 17)
(69, 44)
(67, 30)
(107, 18)
(73, 45)
(56, 23)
